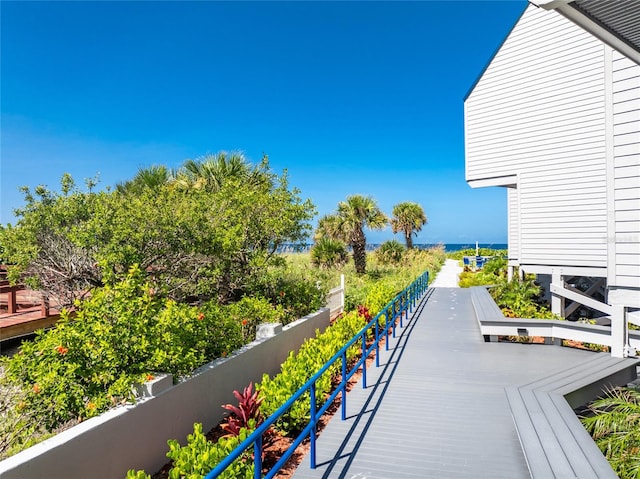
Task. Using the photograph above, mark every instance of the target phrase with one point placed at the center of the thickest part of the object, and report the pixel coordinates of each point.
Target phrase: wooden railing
(9, 293)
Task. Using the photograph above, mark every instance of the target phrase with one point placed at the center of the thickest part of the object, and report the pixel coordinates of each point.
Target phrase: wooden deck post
(12, 304)
(44, 306)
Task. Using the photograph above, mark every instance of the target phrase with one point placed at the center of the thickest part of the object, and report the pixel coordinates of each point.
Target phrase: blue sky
(349, 97)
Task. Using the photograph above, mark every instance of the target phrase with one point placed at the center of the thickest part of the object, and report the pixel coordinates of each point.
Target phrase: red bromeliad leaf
(247, 410)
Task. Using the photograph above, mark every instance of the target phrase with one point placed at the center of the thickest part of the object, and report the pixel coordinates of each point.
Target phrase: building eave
(600, 24)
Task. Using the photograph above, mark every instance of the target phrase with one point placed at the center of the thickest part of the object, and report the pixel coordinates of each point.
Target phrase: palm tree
(408, 218)
(211, 172)
(348, 225)
(329, 227)
(153, 177)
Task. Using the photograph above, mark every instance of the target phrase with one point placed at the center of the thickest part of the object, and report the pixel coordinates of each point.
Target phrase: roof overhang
(510, 181)
(613, 22)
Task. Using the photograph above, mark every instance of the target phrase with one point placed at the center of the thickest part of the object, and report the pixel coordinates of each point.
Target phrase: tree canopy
(408, 219)
(348, 224)
(194, 243)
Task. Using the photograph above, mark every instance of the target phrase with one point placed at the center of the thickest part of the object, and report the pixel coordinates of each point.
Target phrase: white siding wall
(626, 144)
(538, 112)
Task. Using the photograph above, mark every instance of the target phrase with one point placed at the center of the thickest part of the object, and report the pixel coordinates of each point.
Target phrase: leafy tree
(194, 243)
(42, 250)
(408, 218)
(348, 224)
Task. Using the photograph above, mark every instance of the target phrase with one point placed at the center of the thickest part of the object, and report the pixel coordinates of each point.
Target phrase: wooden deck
(25, 315)
(438, 407)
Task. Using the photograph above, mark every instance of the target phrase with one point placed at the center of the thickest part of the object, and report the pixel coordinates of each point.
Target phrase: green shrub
(200, 456)
(293, 293)
(329, 253)
(249, 312)
(379, 295)
(516, 298)
(120, 337)
(298, 368)
(472, 252)
(390, 252)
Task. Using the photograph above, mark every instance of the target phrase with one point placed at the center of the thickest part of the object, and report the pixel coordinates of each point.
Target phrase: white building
(555, 119)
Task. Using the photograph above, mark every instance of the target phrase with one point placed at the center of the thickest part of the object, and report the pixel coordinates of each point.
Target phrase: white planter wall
(135, 436)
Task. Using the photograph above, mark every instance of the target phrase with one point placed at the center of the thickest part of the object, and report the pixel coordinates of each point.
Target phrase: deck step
(554, 442)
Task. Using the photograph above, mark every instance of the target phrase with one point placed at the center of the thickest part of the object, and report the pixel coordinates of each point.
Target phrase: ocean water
(451, 247)
(448, 247)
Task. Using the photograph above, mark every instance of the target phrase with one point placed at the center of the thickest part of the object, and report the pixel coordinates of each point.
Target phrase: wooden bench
(486, 309)
(554, 441)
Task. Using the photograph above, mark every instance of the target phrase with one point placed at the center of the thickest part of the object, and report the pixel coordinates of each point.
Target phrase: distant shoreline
(448, 247)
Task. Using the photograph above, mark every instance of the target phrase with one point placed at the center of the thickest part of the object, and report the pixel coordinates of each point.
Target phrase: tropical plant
(348, 224)
(408, 218)
(213, 171)
(518, 298)
(328, 253)
(614, 424)
(390, 252)
(246, 414)
(155, 176)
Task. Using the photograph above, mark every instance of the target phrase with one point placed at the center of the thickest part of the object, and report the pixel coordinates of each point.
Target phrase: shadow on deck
(442, 404)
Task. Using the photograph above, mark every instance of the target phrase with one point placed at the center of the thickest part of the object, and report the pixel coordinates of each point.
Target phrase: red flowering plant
(246, 414)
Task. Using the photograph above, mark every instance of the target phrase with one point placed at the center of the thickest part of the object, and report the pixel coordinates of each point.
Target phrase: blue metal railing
(396, 309)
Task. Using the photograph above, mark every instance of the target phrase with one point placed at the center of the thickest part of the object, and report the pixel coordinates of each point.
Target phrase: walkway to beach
(436, 406)
(448, 275)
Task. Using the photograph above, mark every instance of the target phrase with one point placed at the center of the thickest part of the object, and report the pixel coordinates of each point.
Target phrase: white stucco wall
(135, 436)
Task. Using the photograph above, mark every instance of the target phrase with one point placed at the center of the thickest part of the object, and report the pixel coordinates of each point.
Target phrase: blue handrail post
(394, 317)
(364, 361)
(377, 330)
(312, 433)
(386, 328)
(412, 297)
(344, 385)
(257, 458)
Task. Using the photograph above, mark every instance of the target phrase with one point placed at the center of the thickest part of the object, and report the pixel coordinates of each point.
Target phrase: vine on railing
(383, 324)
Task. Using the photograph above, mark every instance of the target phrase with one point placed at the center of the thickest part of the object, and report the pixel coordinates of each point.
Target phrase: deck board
(436, 408)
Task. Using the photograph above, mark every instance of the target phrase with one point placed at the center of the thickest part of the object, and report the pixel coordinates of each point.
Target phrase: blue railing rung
(285, 456)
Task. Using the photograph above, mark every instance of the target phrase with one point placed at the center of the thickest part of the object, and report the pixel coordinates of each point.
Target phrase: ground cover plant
(614, 424)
